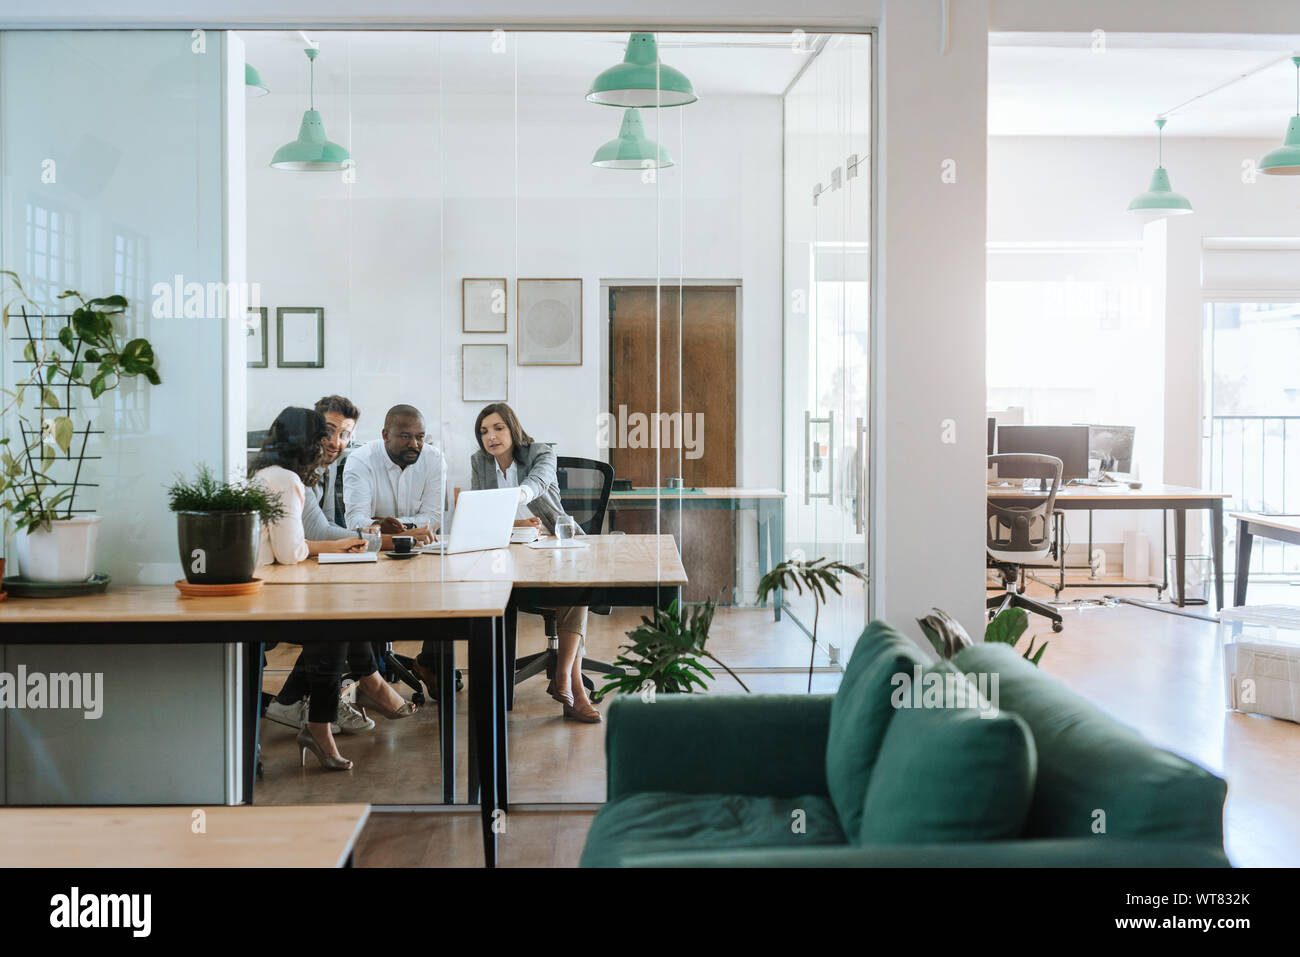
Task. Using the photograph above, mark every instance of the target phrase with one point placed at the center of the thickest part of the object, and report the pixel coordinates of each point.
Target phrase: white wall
(929, 546)
(385, 257)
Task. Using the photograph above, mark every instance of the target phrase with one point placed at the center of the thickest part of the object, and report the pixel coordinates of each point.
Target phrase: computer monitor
(993, 431)
(1113, 446)
(1069, 443)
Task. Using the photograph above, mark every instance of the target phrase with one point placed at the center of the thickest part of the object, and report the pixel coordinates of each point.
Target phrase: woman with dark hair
(288, 463)
(507, 456)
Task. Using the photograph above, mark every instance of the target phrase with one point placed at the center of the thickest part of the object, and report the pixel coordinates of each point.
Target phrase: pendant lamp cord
(311, 82)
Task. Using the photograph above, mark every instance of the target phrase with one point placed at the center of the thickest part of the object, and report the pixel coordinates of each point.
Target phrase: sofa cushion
(651, 822)
(860, 717)
(948, 774)
(1096, 776)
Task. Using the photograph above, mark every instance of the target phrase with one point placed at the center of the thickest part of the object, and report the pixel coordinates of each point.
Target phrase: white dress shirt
(375, 487)
(510, 479)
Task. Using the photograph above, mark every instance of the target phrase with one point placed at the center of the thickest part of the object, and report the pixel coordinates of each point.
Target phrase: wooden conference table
(157, 614)
(618, 570)
(1176, 498)
(296, 835)
(1280, 528)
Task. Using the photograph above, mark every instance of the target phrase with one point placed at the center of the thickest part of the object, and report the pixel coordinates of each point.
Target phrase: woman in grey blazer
(507, 457)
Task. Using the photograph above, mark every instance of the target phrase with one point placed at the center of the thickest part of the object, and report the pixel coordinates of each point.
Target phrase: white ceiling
(1056, 85)
(550, 63)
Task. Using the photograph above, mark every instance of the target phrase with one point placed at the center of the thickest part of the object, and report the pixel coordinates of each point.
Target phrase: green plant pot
(218, 548)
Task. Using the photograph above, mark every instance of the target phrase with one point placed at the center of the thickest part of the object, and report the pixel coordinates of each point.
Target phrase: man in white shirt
(396, 481)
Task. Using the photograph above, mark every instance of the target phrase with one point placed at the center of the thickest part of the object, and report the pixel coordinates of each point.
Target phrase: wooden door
(696, 392)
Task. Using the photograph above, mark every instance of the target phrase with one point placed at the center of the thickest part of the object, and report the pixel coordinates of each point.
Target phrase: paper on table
(340, 558)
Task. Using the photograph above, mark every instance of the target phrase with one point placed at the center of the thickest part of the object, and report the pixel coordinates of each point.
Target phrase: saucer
(402, 556)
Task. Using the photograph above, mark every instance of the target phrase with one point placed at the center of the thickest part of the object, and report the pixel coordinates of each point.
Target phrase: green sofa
(857, 780)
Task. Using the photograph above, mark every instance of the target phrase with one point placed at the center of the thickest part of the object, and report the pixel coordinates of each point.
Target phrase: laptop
(483, 520)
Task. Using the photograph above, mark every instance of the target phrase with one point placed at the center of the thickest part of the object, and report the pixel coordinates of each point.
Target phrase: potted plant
(949, 637)
(817, 576)
(64, 354)
(218, 526)
(664, 653)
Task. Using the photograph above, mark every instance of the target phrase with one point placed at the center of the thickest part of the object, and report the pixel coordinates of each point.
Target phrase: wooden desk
(470, 611)
(321, 835)
(1176, 498)
(1279, 528)
(636, 571)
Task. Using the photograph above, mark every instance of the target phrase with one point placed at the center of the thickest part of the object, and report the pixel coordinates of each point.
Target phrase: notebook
(343, 558)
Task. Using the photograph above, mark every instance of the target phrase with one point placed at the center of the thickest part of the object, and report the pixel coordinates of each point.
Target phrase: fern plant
(664, 653)
(207, 493)
(818, 576)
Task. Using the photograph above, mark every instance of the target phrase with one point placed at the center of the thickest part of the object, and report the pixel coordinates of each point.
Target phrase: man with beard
(396, 481)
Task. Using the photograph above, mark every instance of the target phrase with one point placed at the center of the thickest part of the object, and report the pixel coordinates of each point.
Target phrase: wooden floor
(1156, 672)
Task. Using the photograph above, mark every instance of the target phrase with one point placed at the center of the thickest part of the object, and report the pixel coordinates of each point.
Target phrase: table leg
(252, 716)
(778, 550)
(482, 708)
(447, 718)
(764, 536)
(1216, 549)
(504, 681)
(1180, 555)
(1244, 542)
(510, 625)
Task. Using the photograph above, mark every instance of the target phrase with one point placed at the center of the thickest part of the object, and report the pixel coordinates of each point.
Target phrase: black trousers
(318, 672)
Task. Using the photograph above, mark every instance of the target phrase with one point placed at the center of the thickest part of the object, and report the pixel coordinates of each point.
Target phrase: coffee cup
(402, 543)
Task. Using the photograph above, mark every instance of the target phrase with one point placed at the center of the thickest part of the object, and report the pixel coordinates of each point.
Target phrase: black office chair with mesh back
(1016, 535)
(585, 485)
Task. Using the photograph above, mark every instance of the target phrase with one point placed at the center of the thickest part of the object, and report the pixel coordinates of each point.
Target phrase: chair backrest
(585, 485)
(1023, 533)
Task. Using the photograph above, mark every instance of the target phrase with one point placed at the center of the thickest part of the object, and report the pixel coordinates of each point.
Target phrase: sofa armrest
(1065, 852)
(764, 745)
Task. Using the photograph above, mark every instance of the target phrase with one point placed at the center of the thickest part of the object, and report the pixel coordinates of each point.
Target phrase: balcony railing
(1257, 459)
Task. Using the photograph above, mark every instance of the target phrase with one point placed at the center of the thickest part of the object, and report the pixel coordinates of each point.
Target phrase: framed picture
(483, 305)
(549, 322)
(255, 324)
(300, 337)
(484, 373)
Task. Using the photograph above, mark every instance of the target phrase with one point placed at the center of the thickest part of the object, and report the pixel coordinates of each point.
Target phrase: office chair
(1017, 535)
(585, 485)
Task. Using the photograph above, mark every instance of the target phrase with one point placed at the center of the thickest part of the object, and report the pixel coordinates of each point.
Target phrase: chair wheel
(1057, 625)
(261, 771)
(460, 681)
(417, 698)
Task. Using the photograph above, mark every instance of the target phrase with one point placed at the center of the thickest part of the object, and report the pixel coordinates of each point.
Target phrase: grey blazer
(536, 467)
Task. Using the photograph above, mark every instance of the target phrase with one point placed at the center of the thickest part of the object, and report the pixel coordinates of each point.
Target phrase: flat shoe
(364, 701)
(588, 715)
(564, 699)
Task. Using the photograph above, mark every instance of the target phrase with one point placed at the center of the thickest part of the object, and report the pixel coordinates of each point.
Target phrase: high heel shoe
(587, 714)
(364, 701)
(562, 698)
(307, 743)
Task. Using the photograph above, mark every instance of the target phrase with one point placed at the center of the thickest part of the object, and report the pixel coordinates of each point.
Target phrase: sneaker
(351, 721)
(294, 715)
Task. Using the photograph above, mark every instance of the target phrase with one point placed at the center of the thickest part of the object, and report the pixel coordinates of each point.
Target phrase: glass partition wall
(679, 291)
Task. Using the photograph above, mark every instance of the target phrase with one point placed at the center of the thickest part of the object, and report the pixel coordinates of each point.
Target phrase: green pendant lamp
(641, 80)
(632, 149)
(1285, 160)
(311, 150)
(253, 84)
(1159, 200)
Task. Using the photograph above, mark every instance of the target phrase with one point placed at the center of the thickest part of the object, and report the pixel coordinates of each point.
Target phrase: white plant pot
(64, 553)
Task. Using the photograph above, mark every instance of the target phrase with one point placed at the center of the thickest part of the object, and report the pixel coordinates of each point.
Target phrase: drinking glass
(373, 539)
(565, 529)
